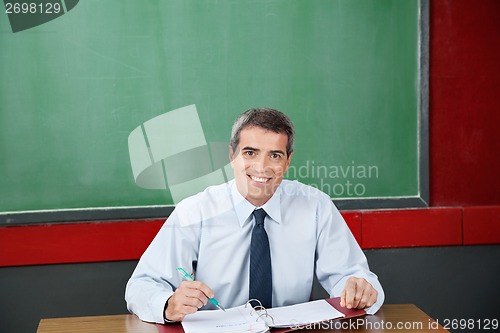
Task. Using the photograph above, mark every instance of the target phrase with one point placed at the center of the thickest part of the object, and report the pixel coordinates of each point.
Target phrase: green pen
(188, 276)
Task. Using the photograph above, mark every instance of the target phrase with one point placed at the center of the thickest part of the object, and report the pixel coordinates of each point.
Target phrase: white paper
(238, 319)
(302, 314)
(246, 319)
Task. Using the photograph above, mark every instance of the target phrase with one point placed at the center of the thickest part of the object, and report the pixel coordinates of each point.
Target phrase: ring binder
(249, 318)
(257, 309)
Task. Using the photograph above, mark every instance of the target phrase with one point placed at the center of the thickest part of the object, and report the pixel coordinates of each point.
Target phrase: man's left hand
(358, 294)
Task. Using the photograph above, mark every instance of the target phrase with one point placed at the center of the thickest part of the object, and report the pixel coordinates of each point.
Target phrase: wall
(438, 257)
(464, 106)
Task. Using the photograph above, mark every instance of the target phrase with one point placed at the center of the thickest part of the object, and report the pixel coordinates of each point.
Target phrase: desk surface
(391, 317)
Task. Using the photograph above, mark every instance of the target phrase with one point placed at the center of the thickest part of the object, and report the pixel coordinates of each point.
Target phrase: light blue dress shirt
(307, 235)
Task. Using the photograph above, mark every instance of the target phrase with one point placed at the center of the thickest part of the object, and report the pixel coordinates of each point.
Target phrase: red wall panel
(481, 225)
(76, 242)
(353, 221)
(464, 102)
(409, 228)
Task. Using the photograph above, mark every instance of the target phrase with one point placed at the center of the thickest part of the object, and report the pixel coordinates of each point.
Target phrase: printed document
(244, 318)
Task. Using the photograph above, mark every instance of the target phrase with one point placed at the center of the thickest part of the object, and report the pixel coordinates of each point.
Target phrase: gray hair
(266, 118)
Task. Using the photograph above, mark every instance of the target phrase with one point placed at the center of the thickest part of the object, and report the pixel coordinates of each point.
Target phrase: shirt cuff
(157, 306)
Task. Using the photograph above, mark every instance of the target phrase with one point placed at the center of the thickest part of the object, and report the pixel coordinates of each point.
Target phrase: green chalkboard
(349, 73)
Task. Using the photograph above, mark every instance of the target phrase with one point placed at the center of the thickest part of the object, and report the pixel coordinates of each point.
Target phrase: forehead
(261, 138)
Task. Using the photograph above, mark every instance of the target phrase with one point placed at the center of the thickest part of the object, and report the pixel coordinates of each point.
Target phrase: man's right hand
(188, 298)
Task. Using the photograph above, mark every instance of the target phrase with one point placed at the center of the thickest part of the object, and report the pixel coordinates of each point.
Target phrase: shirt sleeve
(339, 256)
(155, 279)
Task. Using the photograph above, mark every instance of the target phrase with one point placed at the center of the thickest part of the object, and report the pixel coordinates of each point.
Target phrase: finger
(361, 285)
(197, 289)
(373, 298)
(185, 300)
(363, 300)
(342, 299)
(195, 298)
(209, 293)
(369, 295)
(350, 292)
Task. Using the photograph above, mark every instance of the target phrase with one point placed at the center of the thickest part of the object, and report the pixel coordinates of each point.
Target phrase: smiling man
(256, 237)
(260, 163)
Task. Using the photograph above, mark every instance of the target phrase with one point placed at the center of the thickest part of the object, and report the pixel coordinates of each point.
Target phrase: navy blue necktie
(261, 279)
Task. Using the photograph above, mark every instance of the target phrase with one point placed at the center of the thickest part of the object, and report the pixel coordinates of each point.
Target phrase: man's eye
(275, 156)
(249, 153)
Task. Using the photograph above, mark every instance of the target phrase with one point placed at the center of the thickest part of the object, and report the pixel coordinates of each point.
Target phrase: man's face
(259, 163)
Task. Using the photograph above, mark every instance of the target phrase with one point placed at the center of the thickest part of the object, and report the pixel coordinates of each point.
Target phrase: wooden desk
(388, 318)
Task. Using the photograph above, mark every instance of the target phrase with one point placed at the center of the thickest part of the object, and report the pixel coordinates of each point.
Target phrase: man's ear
(231, 154)
(289, 160)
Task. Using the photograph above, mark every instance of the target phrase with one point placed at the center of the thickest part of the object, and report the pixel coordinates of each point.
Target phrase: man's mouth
(261, 180)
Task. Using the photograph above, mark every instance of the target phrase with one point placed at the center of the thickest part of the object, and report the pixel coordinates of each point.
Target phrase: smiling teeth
(259, 179)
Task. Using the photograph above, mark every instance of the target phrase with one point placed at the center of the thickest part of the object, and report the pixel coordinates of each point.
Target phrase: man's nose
(260, 164)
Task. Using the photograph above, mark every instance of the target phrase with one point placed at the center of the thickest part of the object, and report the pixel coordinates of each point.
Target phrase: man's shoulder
(212, 195)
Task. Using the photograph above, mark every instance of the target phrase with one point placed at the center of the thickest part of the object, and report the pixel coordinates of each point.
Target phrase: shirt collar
(244, 208)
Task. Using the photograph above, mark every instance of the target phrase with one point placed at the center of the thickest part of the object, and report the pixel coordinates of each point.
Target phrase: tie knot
(259, 214)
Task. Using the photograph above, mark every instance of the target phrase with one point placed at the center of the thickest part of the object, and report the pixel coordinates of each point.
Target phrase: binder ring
(249, 302)
(266, 315)
(257, 309)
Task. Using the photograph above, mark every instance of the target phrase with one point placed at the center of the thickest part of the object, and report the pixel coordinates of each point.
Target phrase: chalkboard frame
(155, 212)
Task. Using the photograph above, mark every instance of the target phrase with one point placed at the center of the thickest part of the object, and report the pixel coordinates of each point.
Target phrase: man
(258, 236)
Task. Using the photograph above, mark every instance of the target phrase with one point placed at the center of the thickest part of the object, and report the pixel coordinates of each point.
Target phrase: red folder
(335, 302)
